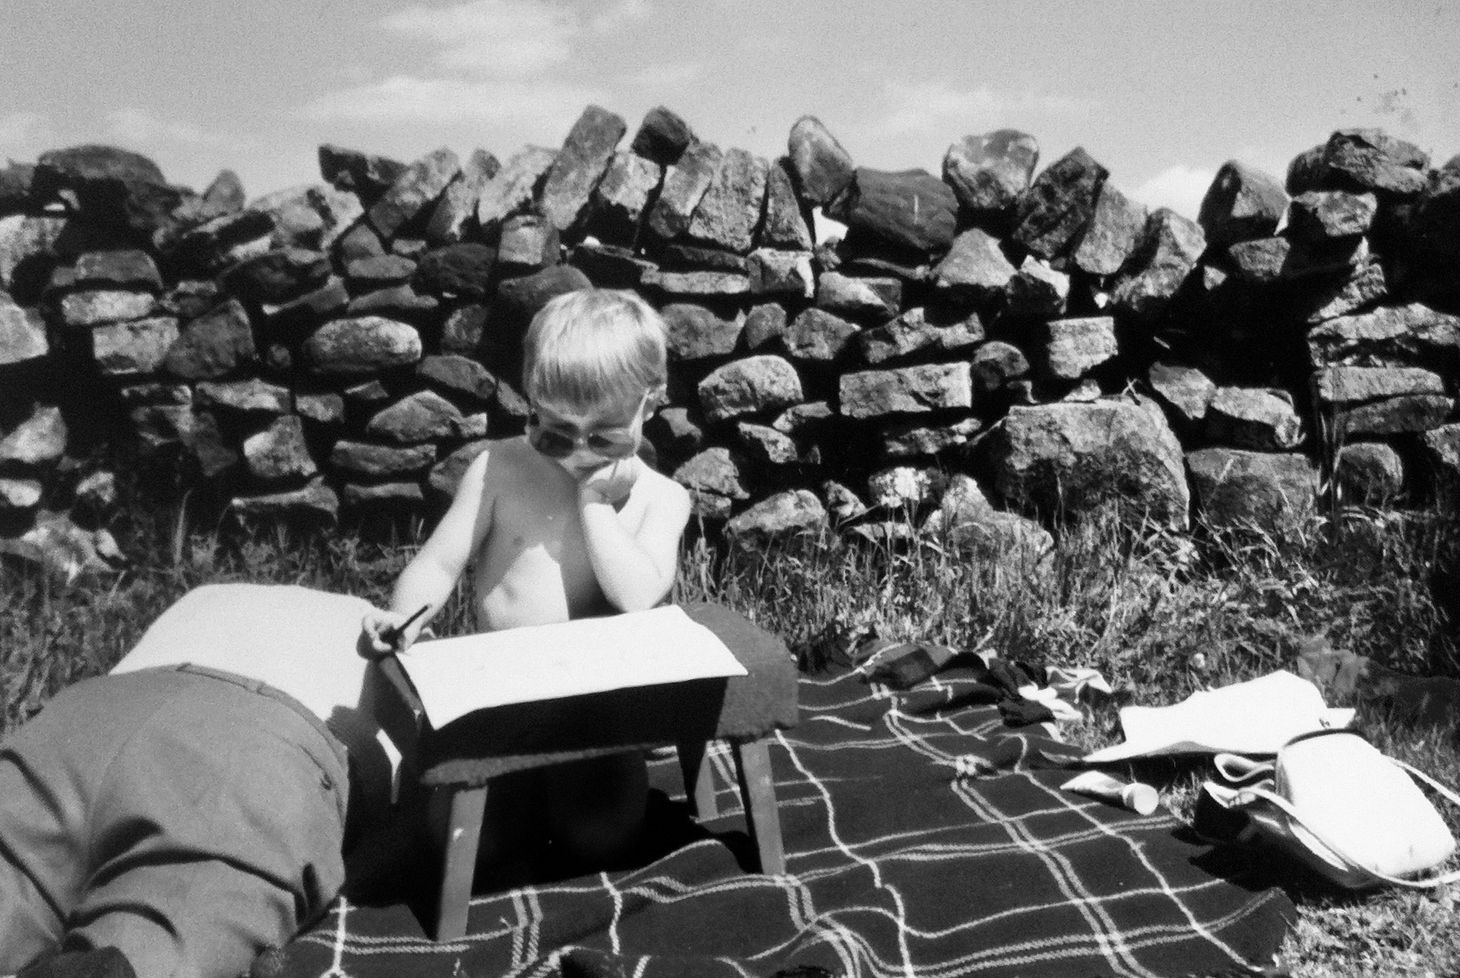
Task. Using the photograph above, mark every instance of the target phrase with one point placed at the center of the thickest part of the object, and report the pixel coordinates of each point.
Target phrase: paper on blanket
(454, 676)
(1253, 717)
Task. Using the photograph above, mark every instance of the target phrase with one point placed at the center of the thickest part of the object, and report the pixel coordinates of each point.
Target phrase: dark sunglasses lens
(616, 444)
(553, 444)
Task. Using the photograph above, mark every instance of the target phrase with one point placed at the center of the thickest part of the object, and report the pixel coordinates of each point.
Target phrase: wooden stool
(464, 756)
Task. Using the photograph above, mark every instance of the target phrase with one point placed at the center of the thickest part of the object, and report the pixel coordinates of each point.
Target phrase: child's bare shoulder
(498, 460)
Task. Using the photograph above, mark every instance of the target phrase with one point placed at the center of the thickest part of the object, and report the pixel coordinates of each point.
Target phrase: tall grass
(1159, 614)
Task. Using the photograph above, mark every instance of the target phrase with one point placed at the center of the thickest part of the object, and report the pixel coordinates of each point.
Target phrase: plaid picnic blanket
(922, 840)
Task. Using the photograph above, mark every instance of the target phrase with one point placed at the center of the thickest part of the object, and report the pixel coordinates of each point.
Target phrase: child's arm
(428, 579)
(636, 569)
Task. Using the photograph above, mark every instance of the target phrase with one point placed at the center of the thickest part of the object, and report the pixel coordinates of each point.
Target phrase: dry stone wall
(987, 344)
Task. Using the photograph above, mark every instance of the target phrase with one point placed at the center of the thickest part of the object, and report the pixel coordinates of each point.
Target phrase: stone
(1036, 291)
(1114, 232)
(377, 272)
(729, 212)
(365, 174)
(697, 283)
(988, 172)
(277, 276)
(361, 345)
(125, 268)
(965, 520)
(510, 403)
(419, 417)
(685, 184)
(610, 266)
(133, 349)
(315, 502)
(15, 186)
(914, 333)
(161, 428)
(906, 390)
(189, 298)
(1362, 159)
(1347, 385)
(749, 386)
(790, 513)
(1074, 347)
(714, 482)
(1059, 204)
(675, 432)
(38, 440)
(662, 137)
(27, 240)
(842, 504)
(251, 396)
(808, 420)
(458, 375)
(446, 474)
(1434, 224)
(514, 188)
(975, 267)
(454, 216)
(696, 332)
(1368, 473)
(527, 243)
(22, 334)
(775, 272)
(1242, 203)
(907, 439)
(784, 225)
(1393, 416)
(213, 345)
(460, 271)
(911, 211)
(360, 241)
(1169, 249)
(859, 298)
(996, 365)
(397, 302)
(682, 256)
(765, 445)
(819, 336)
(1186, 391)
(311, 216)
(97, 493)
(579, 166)
(93, 307)
(413, 192)
(1414, 333)
(376, 461)
(1440, 452)
(765, 324)
(463, 330)
(1240, 489)
(112, 186)
(406, 495)
(823, 169)
(211, 247)
(1349, 292)
(154, 392)
(322, 408)
(1320, 215)
(899, 487)
(369, 394)
(1069, 458)
(617, 207)
(64, 551)
(223, 196)
(279, 453)
(519, 299)
(1261, 419)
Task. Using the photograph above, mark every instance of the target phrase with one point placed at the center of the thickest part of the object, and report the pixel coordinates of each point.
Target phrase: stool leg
(459, 861)
(699, 785)
(758, 794)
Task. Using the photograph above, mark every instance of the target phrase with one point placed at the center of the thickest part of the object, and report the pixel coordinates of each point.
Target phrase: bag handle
(1288, 808)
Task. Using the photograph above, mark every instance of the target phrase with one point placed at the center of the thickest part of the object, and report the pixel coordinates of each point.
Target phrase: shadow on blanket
(919, 842)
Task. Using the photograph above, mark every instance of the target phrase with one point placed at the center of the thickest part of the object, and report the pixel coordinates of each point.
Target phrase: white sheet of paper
(454, 676)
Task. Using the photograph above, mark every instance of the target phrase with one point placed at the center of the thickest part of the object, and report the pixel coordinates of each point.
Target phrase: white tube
(1139, 798)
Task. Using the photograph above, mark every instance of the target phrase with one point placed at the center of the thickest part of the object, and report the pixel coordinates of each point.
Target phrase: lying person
(190, 808)
(565, 522)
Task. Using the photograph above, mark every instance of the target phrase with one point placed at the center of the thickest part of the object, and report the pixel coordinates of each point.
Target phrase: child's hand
(383, 632)
(610, 483)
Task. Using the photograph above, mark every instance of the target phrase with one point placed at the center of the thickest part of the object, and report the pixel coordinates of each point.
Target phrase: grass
(1159, 614)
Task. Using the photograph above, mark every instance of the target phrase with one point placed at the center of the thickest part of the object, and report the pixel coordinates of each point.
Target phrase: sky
(1161, 92)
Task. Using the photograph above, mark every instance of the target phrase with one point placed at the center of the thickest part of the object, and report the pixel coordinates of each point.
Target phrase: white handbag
(1342, 807)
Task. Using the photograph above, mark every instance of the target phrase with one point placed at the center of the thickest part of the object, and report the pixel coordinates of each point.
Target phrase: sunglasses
(556, 441)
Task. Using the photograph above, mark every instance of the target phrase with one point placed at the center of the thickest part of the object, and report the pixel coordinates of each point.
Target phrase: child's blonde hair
(594, 348)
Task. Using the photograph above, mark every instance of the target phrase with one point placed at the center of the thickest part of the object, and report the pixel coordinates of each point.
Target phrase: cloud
(919, 108)
(134, 126)
(448, 101)
(25, 135)
(670, 75)
(1180, 188)
(509, 38)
